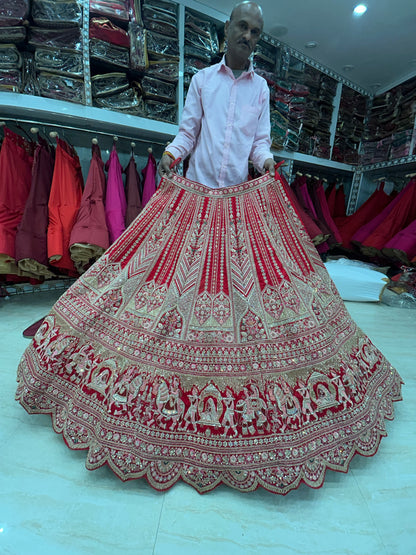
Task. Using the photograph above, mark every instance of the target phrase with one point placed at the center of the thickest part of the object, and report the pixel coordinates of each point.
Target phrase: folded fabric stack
(10, 68)
(159, 82)
(55, 69)
(391, 119)
(201, 45)
(401, 144)
(110, 54)
(350, 126)
(310, 95)
(12, 32)
(374, 152)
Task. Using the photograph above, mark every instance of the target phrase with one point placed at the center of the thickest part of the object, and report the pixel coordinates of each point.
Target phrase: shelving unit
(86, 117)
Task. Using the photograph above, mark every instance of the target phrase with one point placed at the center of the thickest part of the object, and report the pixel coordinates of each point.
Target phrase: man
(226, 117)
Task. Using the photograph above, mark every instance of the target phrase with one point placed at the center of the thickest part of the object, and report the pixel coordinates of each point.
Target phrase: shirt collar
(222, 66)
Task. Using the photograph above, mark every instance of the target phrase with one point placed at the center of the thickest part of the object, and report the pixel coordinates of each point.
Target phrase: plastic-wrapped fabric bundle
(196, 52)
(162, 6)
(10, 57)
(160, 111)
(61, 87)
(138, 47)
(109, 53)
(103, 29)
(109, 83)
(57, 13)
(13, 13)
(155, 89)
(159, 46)
(194, 24)
(160, 21)
(10, 80)
(56, 38)
(12, 35)
(125, 101)
(29, 74)
(116, 9)
(66, 62)
(164, 69)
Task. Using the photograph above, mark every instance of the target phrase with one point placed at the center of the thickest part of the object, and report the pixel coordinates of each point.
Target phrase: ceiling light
(279, 31)
(348, 67)
(311, 44)
(359, 10)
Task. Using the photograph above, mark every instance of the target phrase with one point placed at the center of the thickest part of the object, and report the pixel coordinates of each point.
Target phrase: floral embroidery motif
(251, 327)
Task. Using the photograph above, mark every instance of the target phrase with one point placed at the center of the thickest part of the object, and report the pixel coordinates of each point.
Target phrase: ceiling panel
(380, 46)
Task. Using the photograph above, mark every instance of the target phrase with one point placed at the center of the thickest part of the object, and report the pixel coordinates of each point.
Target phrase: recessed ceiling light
(412, 62)
(279, 30)
(311, 44)
(375, 86)
(359, 10)
(348, 67)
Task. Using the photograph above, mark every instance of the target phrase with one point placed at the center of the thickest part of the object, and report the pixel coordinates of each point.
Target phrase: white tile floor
(50, 504)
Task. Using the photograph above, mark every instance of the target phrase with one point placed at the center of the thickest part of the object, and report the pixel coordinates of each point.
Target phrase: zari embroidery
(209, 344)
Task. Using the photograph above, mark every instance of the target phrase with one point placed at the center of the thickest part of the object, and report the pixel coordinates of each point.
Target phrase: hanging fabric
(89, 236)
(149, 179)
(31, 238)
(115, 199)
(16, 159)
(349, 225)
(133, 185)
(64, 203)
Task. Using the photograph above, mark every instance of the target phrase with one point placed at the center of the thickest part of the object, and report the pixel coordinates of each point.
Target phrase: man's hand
(269, 166)
(164, 166)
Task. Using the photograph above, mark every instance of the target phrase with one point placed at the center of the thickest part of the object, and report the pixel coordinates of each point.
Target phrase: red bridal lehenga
(209, 344)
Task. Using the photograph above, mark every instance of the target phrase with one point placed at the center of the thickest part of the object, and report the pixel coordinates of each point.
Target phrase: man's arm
(260, 153)
(190, 125)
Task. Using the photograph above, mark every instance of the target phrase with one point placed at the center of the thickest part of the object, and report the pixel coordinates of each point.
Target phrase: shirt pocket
(249, 119)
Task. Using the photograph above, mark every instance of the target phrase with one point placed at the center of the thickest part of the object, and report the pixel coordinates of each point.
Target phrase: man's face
(243, 31)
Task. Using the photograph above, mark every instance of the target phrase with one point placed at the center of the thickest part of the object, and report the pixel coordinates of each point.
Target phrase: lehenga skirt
(209, 344)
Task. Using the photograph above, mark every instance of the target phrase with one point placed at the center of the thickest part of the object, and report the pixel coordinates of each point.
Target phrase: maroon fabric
(340, 204)
(103, 29)
(13, 13)
(326, 214)
(349, 225)
(403, 244)
(133, 189)
(401, 215)
(115, 201)
(367, 230)
(30, 331)
(311, 227)
(322, 212)
(90, 226)
(300, 189)
(16, 159)
(31, 237)
(149, 179)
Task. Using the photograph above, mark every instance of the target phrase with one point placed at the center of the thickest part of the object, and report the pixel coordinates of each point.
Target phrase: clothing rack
(80, 129)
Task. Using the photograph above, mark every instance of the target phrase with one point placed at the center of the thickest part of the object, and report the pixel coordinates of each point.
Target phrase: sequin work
(209, 344)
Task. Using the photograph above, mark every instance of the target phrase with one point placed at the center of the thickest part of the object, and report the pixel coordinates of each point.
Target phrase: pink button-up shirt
(225, 122)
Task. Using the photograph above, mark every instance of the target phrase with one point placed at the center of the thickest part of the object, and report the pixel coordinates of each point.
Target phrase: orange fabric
(64, 203)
